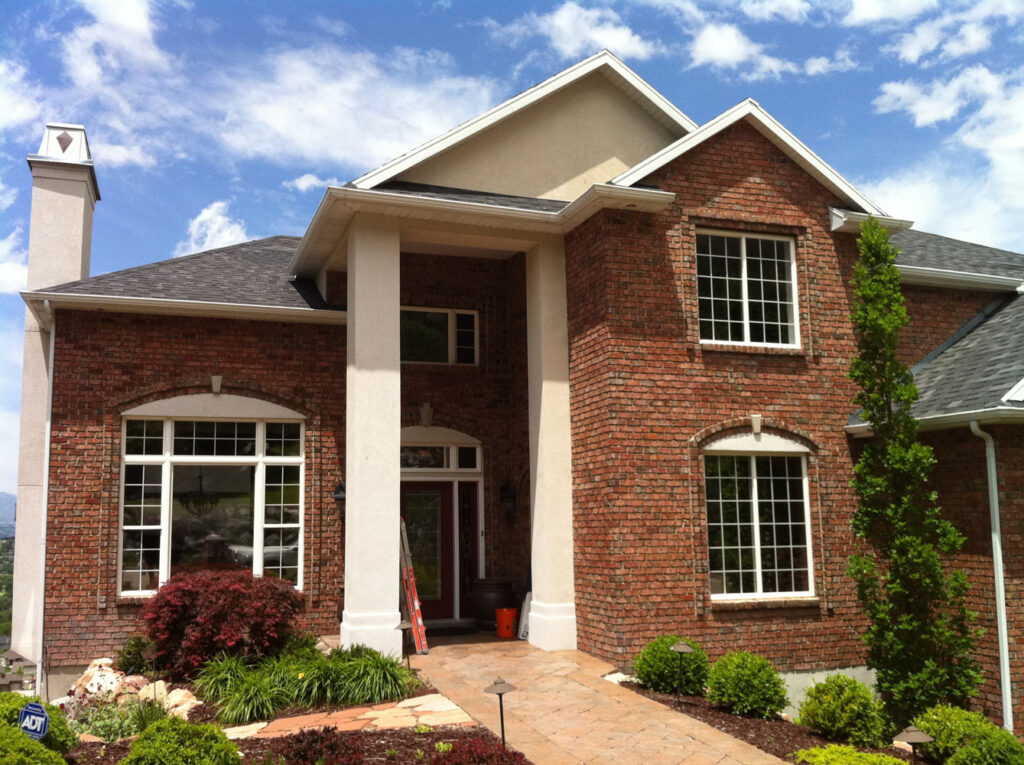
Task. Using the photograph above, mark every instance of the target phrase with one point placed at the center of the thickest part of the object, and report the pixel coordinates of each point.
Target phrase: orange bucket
(506, 619)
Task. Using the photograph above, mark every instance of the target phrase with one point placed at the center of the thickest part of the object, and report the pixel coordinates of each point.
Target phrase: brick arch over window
(196, 387)
(739, 425)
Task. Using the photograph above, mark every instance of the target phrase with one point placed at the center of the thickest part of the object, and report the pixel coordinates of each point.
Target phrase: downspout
(42, 684)
(997, 563)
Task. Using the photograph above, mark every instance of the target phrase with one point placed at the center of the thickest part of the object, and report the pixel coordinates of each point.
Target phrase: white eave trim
(1016, 393)
(502, 111)
(849, 221)
(53, 300)
(306, 262)
(992, 416)
(940, 277)
(774, 131)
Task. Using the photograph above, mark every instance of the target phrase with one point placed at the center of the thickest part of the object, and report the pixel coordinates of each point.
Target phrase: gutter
(849, 221)
(42, 304)
(999, 575)
(992, 415)
(941, 277)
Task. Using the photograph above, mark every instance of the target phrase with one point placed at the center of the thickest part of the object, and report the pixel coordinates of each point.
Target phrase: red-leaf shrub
(196, 616)
(318, 746)
(479, 751)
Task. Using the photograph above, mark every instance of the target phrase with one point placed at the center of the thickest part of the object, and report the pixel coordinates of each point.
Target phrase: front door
(427, 510)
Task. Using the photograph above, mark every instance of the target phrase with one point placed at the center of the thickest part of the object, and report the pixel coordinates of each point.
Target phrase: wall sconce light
(507, 496)
(339, 499)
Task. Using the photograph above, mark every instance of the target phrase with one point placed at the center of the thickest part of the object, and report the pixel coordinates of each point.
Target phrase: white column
(372, 439)
(553, 607)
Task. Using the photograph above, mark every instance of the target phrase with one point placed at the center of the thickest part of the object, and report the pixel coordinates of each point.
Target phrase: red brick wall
(960, 478)
(935, 315)
(106, 363)
(645, 396)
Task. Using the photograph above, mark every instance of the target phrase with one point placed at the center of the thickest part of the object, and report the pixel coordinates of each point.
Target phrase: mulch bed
(399, 745)
(776, 737)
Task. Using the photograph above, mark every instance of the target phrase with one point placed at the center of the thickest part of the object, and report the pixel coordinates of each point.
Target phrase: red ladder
(412, 599)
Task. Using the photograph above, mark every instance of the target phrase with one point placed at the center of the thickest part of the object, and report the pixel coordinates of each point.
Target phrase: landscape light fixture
(913, 736)
(682, 647)
(499, 687)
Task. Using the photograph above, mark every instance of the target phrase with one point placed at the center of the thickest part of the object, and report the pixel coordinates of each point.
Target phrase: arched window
(210, 481)
(758, 514)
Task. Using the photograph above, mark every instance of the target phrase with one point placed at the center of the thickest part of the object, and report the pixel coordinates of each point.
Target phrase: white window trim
(452, 350)
(743, 236)
(796, 451)
(167, 459)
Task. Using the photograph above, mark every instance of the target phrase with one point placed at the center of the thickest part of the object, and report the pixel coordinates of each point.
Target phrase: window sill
(767, 350)
(132, 600)
(812, 601)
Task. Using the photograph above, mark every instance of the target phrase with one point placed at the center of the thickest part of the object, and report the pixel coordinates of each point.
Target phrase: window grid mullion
(165, 504)
(755, 517)
(743, 288)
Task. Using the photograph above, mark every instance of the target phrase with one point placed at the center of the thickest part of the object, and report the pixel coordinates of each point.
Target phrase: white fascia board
(992, 416)
(605, 195)
(774, 131)
(849, 221)
(55, 300)
(502, 111)
(1016, 393)
(940, 277)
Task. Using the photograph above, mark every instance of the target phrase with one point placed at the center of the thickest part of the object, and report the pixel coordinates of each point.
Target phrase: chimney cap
(67, 144)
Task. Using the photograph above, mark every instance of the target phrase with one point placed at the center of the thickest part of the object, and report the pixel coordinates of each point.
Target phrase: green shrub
(60, 738)
(842, 709)
(966, 738)
(374, 678)
(253, 697)
(301, 647)
(18, 749)
(843, 755)
(136, 656)
(176, 742)
(658, 667)
(747, 684)
(357, 651)
(218, 677)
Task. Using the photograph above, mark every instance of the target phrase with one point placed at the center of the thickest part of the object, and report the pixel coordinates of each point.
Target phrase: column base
(553, 626)
(378, 630)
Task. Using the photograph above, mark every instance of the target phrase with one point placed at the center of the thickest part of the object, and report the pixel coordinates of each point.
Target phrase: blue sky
(216, 122)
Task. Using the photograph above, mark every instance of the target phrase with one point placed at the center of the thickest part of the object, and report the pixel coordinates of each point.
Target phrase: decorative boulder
(154, 692)
(179, 702)
(99, 681)
(138, 682)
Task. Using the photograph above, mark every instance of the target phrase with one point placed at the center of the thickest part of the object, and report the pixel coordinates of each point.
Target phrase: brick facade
(935, 315)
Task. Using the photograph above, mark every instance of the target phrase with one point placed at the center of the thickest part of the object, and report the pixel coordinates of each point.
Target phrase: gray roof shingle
(251, 273)
(918, 248)
(468, 195)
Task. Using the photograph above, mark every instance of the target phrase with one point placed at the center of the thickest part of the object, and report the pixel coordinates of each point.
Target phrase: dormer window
(439, 336)
(746, 289)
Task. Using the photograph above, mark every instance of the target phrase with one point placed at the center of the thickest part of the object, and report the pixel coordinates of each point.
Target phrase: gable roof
(921, 253)
(771, 129)
(603, 61)
(251, 278)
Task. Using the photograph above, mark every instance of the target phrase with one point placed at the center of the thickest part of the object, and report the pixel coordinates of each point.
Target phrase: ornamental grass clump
(747, 684)
(253, 697)
(842, 709)
(198, 615)
(374, 678)
(219, 677)
(174, 741)
(966, 738)
(660, 668)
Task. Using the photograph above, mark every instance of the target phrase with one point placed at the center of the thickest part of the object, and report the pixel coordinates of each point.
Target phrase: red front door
(427, 510)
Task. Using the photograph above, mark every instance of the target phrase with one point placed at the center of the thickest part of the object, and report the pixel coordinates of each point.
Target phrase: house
(574, 341)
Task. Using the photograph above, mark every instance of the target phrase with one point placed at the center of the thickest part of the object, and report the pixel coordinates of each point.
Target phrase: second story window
(746, 289)
(439, 336)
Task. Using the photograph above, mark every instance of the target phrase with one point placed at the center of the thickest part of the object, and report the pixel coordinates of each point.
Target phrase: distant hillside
(6, 514)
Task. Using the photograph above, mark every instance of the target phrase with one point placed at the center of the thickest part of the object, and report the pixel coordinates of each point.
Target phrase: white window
(199, 494)
(759, 534)
(746, 289)
(435, 457)
(439, 336)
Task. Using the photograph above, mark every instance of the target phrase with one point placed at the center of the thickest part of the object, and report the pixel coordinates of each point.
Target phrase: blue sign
(34, 720)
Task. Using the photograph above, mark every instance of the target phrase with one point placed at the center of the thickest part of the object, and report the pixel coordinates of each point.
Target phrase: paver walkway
(564, 711)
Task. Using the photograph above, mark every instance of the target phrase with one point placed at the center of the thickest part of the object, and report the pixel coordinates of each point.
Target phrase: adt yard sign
(34, 720)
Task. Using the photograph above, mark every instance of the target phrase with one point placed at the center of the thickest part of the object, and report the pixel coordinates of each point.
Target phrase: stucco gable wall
(555, 149)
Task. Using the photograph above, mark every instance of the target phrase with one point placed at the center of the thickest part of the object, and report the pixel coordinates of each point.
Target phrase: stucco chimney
(64, 193)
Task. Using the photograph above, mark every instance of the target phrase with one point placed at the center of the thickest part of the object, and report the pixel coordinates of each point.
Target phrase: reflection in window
(438, 336)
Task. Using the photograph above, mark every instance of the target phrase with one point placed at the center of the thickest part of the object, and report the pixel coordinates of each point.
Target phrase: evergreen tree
(920, 632)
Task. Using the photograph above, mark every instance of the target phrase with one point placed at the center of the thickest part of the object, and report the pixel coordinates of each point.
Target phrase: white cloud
(212, 228)
(8, 196)
(329, 104)
(20, 100)
(724, 46)
(842, 62)
(13, 259)
(574, 31)
(308, 181)
(940, 100)
(955, 34)
(767, 10)
(912, 46)
(972, 37)
(112, 155)
(869, 11)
